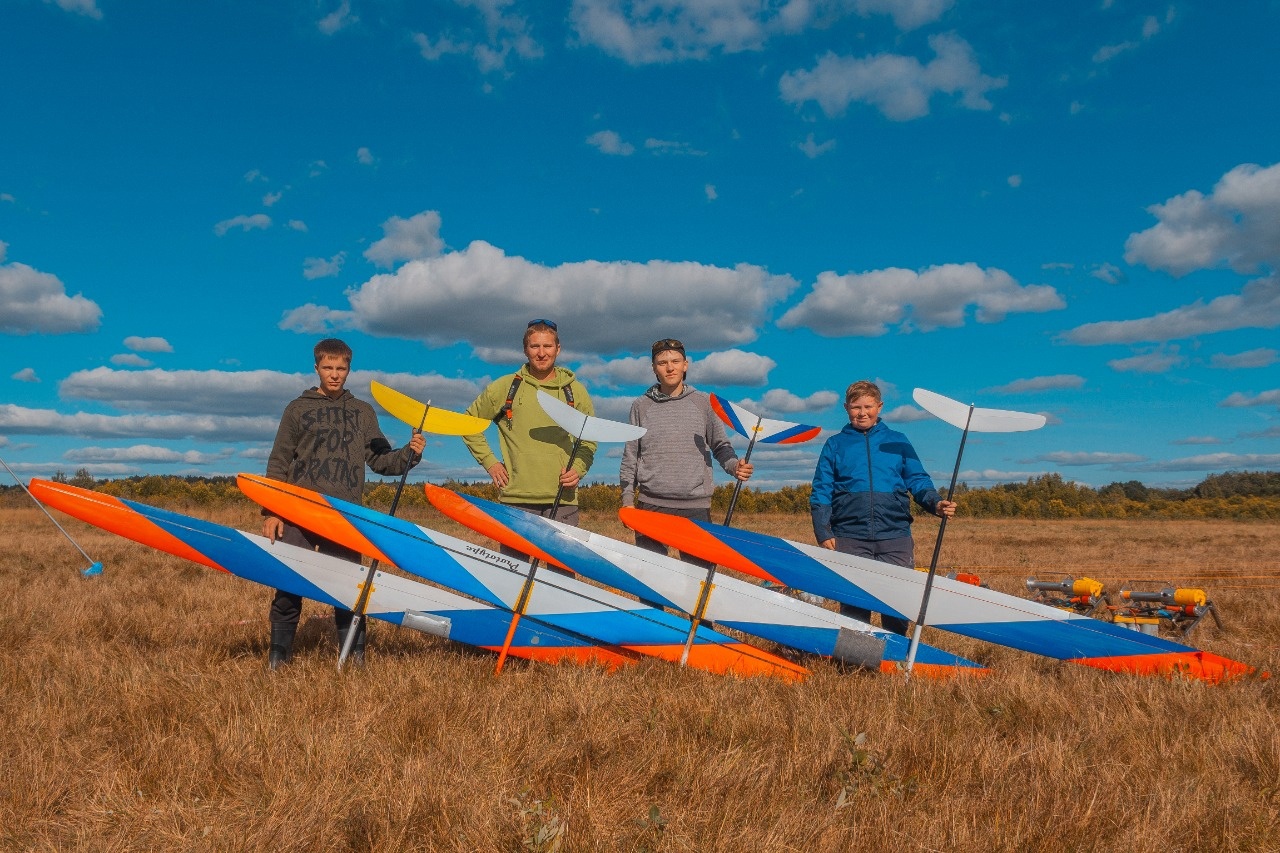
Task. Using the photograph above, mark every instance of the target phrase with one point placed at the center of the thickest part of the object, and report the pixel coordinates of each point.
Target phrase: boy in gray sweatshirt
(668, 469)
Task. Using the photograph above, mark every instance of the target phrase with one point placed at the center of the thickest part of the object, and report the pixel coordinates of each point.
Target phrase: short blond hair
(862, 388)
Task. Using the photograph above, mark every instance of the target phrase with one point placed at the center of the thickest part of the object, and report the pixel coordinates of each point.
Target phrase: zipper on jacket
(871, 487)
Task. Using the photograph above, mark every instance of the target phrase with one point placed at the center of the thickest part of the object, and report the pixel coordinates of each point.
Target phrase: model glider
(424, 416)
(958, 607)
(731, 603)
(969, 419)
(560, 601)
(323, 578)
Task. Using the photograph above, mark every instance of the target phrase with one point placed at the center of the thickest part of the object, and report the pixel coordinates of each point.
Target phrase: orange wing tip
(729, 659)
(934, 671)
(111, 514)
(688, 538)
(469, 515)
(309, 510)
(1204, 666)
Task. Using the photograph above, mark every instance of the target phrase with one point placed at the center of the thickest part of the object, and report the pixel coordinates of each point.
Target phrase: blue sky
(1071, 209)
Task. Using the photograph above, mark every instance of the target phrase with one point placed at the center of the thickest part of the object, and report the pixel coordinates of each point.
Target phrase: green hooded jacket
(534, 449)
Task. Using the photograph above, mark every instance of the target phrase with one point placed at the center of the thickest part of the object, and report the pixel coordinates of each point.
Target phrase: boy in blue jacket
(866, 477)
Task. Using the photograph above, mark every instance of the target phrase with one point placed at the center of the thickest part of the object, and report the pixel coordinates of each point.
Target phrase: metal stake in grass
(764, 430)
(968, 418)
(582, 428)
(95, 568)
(422, 418)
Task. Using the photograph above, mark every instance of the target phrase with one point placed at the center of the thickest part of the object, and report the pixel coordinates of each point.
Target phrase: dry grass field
(139, 715)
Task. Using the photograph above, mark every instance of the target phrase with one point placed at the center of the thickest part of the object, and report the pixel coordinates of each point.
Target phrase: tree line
(1230, 495)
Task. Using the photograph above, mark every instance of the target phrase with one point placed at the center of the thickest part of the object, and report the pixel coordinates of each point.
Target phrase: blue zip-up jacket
(863, 485)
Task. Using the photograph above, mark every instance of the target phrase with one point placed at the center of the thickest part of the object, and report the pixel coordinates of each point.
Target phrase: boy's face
(333, 371)
(541, 350)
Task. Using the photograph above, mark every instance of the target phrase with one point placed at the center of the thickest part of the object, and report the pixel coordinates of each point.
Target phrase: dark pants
(286, 607)
(564, 514)
(696, 514)
(897, 552)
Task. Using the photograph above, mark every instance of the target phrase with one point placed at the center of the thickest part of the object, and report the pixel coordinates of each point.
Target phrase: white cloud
(140, 344)
(1236, 226)
(906, 14)
(867, 304)
(141, 453)
(1217, 462)
(710, 191)
(1262, 357)
(779, 401)
(297, 225)
(128, 359)
(26, 374)
(1198, 439)
(813, 150)
(1240, 399)
(338, 19)
(270, 199)
(609, 142)
(255, 175)
(36, 302)
(490, 41)
(994, 476)
(1071, 459)
(407, 239)
(1256, 307)
(485, 297)
(9, 198)
(1110, 273)
(1014, 181)
(1056, 382)
(313, 268)
(726, 367)
(906, 414)
(19, 420)
(365, 157)
(614, 408)
(257, 221)
(660, 147)
(617, 371)
(248, 392)
(88, 8)
(1151, 27)
(675, 30)
(1158, 360)
(899, 86)
(732, 367)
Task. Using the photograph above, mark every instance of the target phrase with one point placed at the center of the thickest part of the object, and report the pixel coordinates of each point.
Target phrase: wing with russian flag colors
(564, 602)
(732, 603)
(322, 578)
(955, 606)
(764, 430)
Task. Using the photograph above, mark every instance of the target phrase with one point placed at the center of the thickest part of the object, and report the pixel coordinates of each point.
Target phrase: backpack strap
(505, 411)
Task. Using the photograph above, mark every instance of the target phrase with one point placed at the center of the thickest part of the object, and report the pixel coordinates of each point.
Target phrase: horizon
(1073, 213)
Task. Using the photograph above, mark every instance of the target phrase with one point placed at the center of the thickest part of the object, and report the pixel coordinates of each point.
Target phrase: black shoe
(281, 651)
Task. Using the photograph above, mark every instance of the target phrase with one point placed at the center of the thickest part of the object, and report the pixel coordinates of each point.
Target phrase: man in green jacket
(535, 451)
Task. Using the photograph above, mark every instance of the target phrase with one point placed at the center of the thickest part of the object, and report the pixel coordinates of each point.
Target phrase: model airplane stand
(1180, 608)
(1085, 596)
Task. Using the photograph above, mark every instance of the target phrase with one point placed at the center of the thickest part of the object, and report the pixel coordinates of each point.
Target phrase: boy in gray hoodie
(668, 469)
(325, 439)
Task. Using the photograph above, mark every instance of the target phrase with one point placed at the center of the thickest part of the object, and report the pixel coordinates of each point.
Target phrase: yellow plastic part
(1087, 586)
(1195, 597)
(439, 421)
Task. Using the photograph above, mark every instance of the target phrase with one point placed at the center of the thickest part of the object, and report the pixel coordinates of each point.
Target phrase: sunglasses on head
(548, 323)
